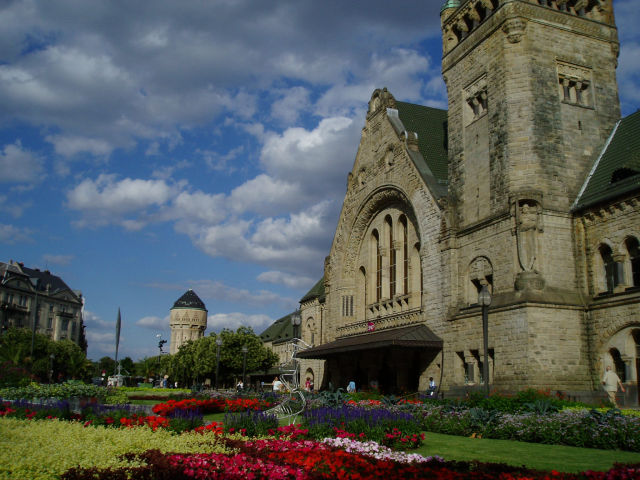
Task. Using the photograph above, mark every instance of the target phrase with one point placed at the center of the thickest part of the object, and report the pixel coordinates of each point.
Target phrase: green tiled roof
(431, 126)
(281, 329)
(617, 170)
(317, 291)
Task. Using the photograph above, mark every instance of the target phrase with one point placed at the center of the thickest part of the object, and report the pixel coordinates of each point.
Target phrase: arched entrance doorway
(622, 354)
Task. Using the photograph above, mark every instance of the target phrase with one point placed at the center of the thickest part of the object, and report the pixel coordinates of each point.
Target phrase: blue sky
(154, 146)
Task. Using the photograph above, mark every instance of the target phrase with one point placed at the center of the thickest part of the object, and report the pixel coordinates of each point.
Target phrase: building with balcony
(30, 296)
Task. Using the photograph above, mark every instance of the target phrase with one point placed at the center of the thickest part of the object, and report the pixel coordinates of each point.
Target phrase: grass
(531, 455)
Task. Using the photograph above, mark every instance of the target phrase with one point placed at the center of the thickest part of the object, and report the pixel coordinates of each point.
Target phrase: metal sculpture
(294, 402)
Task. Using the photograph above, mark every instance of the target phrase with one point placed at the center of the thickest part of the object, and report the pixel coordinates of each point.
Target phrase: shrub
(63, 445)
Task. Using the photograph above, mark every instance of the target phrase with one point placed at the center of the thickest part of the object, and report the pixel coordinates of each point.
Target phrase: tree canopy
(195, 361)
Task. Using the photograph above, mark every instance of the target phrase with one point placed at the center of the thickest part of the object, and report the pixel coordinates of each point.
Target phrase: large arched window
(392, 257)
(405, 255)
(609, 267)
(634, 260)
(378, 264)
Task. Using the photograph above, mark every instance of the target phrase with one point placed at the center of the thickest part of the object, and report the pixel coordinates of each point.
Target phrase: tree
(127, 366)
(259, 357)
(195, 361)
(68, 360)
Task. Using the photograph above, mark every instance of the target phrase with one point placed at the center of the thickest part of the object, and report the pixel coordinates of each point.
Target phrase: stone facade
(533, 101)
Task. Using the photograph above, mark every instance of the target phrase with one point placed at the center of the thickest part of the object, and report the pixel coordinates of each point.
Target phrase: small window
(622, 173)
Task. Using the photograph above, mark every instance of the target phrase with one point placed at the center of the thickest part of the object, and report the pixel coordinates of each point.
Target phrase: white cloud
(266, 195)
(57, 259)
(70, 145)
(12, 235)
(288, 279)
(234, 320)
(18, 164)
(14, 209)
(199, 207)
(107, 200)
(154, 323)
(287, 109)
(213, 290)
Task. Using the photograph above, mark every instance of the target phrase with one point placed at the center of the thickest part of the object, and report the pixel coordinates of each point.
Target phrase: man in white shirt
(611, 382)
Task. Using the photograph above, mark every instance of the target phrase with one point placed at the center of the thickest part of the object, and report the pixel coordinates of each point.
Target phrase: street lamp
(484, 299)
(296, 321)
(244, 363)
(218, 345)
(51, 357)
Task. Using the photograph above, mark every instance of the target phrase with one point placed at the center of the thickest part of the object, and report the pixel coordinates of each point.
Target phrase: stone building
(527, 185)
(188, 320)
(29, 295)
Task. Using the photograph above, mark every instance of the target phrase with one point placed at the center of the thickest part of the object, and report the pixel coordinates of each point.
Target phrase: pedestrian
(432, 387)
(611, 382)
(351, 388)
(277, 384)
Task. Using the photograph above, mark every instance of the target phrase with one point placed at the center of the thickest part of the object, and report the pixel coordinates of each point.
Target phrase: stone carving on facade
(514, 29)
(381, 99)
(528, 226)
(476, 99)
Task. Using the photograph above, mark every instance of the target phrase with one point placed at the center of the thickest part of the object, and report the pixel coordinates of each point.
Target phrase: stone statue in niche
(527, 228)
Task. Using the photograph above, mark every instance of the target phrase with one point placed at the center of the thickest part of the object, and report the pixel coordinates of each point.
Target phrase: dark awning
(416, 336)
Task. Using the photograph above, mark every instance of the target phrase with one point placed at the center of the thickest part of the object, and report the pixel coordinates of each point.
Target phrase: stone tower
(188, 320)
(532, 99)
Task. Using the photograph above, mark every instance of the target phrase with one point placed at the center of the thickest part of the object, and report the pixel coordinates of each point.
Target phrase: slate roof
(412, 336)
(190, 300)
(42, 279)
(431, 126)
(616, 172)
(317, 291)
(281, 329)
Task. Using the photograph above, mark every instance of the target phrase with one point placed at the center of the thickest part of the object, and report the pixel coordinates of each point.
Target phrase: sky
(150, 147)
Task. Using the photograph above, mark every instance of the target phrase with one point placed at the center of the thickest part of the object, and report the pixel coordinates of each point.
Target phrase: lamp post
(35, 321)
(244, 363)
(484, 299)
(51, 357)
(218, 345)
(296, 321)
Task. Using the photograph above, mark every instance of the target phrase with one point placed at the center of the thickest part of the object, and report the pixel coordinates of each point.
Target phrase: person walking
(611, 382)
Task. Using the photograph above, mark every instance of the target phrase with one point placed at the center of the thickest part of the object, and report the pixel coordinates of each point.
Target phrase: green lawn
(532, 455)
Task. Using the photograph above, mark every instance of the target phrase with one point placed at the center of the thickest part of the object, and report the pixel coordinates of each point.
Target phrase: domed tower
(188, 320)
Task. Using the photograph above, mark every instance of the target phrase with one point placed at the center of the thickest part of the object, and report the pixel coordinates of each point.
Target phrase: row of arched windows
(618, 269)
(396, 270)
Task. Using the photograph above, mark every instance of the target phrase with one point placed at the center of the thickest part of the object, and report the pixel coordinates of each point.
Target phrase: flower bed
(301, 460)
(392, 428)
(101, 415)
(579, 428)
(213, 405)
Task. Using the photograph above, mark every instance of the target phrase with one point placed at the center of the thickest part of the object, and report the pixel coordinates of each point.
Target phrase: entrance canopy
(412, 336)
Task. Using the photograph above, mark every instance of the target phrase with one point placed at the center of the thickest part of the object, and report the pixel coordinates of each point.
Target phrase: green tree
(195, 361)
(127, 366)
(69, 361)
